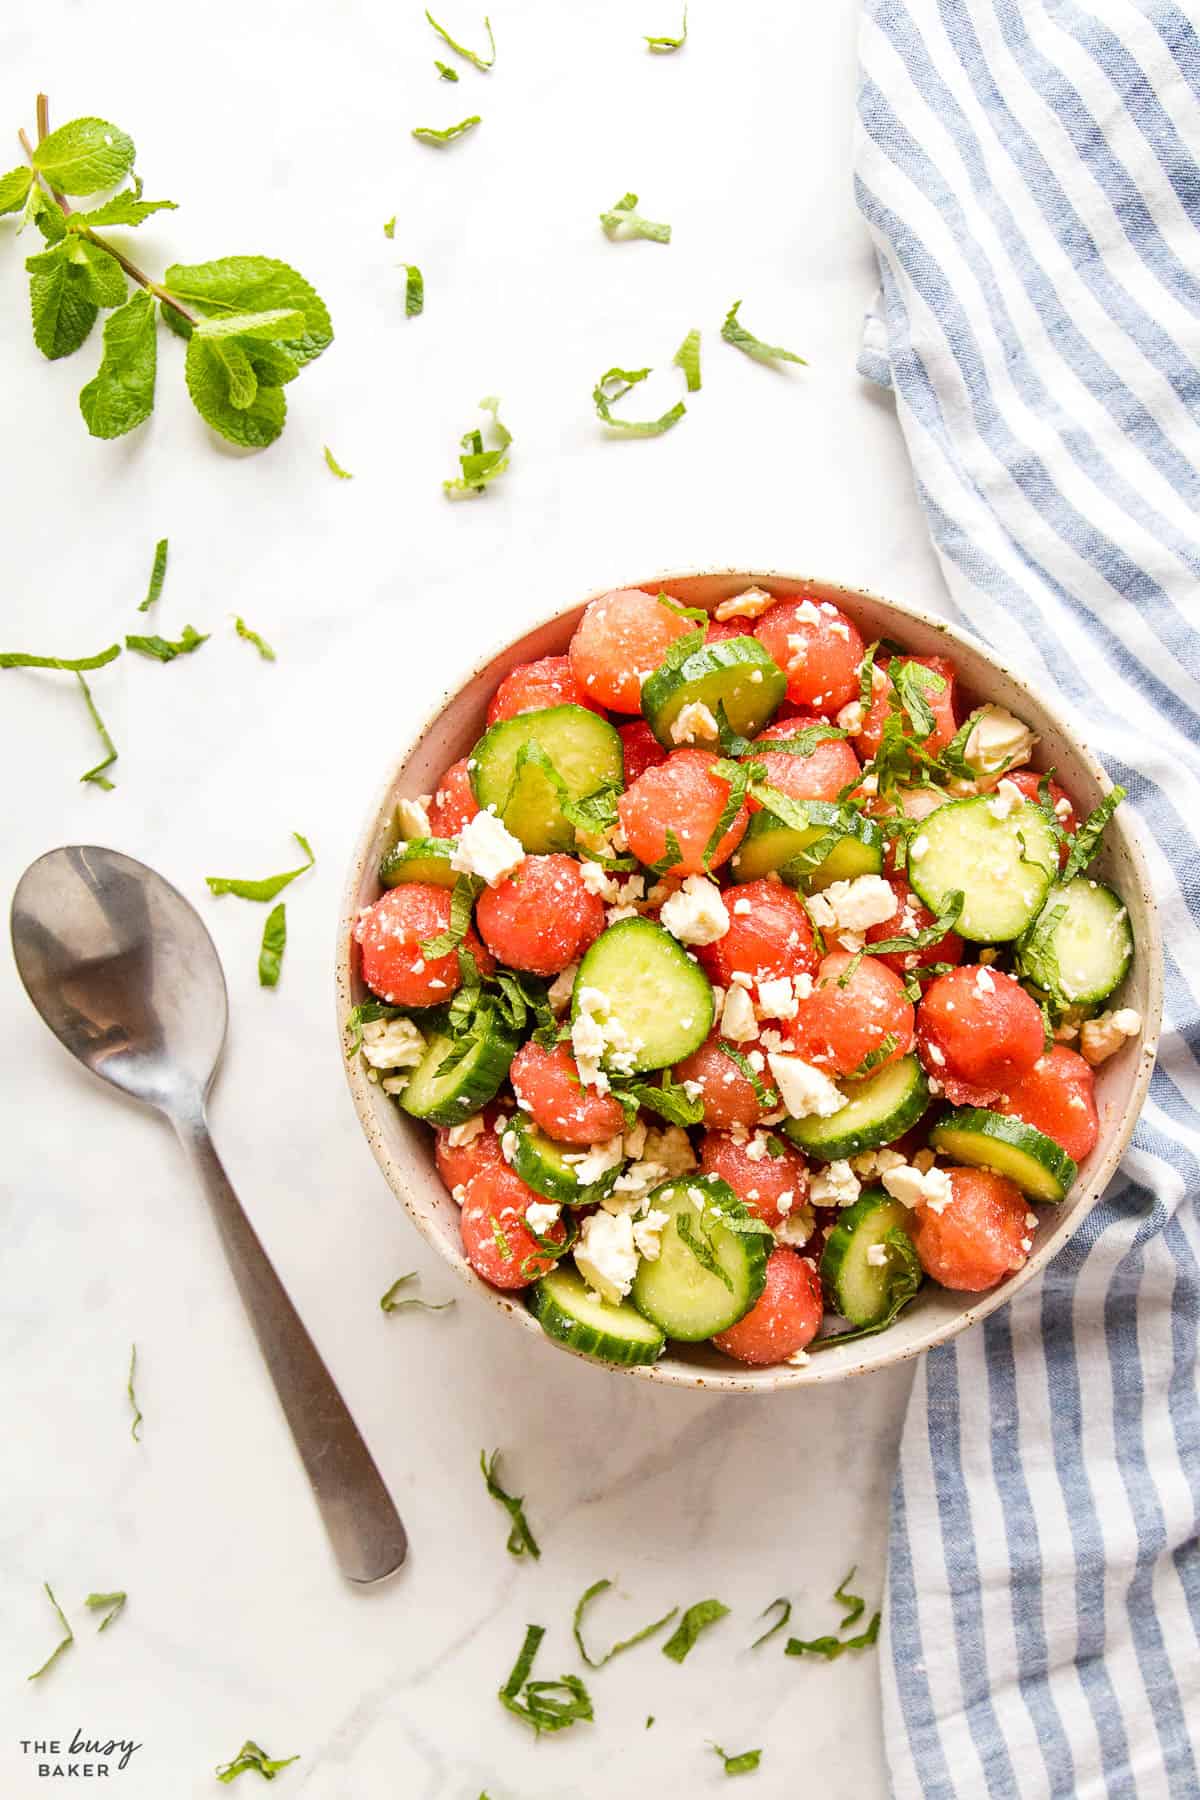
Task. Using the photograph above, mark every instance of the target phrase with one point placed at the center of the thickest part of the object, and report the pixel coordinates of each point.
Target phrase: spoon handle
(365, 1530)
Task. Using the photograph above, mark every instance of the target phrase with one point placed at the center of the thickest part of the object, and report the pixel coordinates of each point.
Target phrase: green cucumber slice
(564, 1307)
(586, 755)
(736, 673)
(449, 1098)
(420, 859)
(855, 847)
(987, 1140)
(1080, 945)
(542, 1165)
(689, 1301)
(862, 1291)
(1004, 867)
(655, 993)
(879, 1109)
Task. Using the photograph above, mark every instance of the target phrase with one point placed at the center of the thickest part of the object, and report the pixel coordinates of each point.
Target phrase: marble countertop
(285, 131)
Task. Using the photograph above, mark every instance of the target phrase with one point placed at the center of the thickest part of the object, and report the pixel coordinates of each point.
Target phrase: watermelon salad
(747, 979)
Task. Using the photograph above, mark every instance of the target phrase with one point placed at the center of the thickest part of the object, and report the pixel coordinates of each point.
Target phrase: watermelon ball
(620, 640)
(454, 803)
(828, 767)
(770, 935)
(909, 918)
(762, 1171)
(1057, 1096)
(498, 1243)
(458, 1161)
(548, 1088)
(531, 686)
(729, 1097)
(979, 1032)
(817, 648)
(541, 917)
(941, 705)
(718, 631)
(641, 748)
(979, 1237)
(390, 934)
(784, 1319)
(684, 796)
(838, 1027)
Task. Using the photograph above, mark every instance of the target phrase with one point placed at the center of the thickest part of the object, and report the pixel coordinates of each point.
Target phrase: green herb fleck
(165, 650)
(546, 1705)
(639, 1637)
(520, 1538)
(389, 230)
(736, 334)
(624, 221)
(135, 1429)
(269, 886)
(20, 659)
(873, 1058)
(332, 463)
(480, 466)
(1086, 841)
(687, 358)
(696, 1619)
(781, 1621)
(831, 1647)
(66, 1642)
(274, 942)
(250, 1756)
(613, 386)
(697, 1241)
(98, 1603)
(414, 291)
(461, 49)
(766, 1096)
(391, 1302)
(445, 71)
(672, 854)
(429, 135)
(743, 1764)
(158, 575)
(662, 46)
(260, 643)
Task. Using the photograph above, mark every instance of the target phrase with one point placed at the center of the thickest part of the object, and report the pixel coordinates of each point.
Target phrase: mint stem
(131, 269)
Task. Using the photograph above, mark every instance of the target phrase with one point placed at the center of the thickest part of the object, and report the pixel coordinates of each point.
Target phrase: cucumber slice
(879, 1109)
(420, 859)
(450, 1098)
(564, 1307)
(855, 847)
(541, 1163)
(677, 1291)
(862, 1291)
(658, 1000)
(987, 1140)
(1004, 867)
(736, 674)
(1080, 945)
(584, 750)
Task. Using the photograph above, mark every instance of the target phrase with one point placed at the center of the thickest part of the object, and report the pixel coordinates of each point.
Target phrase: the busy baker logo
(80, 1757)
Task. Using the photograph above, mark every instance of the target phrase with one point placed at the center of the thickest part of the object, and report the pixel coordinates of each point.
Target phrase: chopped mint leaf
(167, 649)
(365, 1013)
(462, 902)
(854, 1602)
(158, 575)
(125, 208)
(269, 886)
(14, 189)
(546, 1705)
(389, 230)
(639, 1637)
(461, 49)
(66, 1642)
(671, 855)
(743, 1764)
(687, 358)
(120, 394)
(911, 681)
(135, 1428)
(414, 291)
(781, 1621)
(736, 334)
(84, 157)
(1086, 841)
(696, 1619)
(332, 463)
(391, 1302)
(831, 1647)
(445, 71)
(260, 643)
(662, 46)
(20, 659)
(613, 386)
(479, 466)
(624, 221)
(98, 1603)
(766, 1096)
(873, 1058)
(429, 135)
(250, 1756)
(60, 301)
(520, 1538)
(274, 942)
(96, 775)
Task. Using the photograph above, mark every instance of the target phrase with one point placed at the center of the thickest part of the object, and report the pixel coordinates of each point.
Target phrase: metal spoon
(125, 975)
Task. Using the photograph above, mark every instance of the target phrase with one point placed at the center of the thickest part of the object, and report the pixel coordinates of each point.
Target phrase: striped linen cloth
(1027, 171)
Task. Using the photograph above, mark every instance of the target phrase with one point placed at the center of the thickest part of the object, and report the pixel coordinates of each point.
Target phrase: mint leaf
(274, 942)
(251, 1756)
(479, 466)
(158, 575)
(279, 322)
(687, 358)
(696, 1619)
(662, 46)
(737, 335)
(392, 1302)
(217, 381)
(66, 1642)
(445, 71)
(428, 134)
(1086, 842)
(105, 277)
(614, 386)
(98, 1602)
(100, 779)
(21, 659)
(164, 649)
(332, 463)
(269, 886)
(624, 221)
(743, 1764)
(461, 49)
(241, 284)
(780, 1622)
(61, 302)
(639, 1637)
(14, 189)
(260, 643)
(120, 394)
(123, 209)
(389, 230)
(520, 1538)
(414, 291)
(84, 156)
(547, 1705)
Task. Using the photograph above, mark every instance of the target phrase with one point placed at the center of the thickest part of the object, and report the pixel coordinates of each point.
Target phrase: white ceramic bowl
(404, 1148)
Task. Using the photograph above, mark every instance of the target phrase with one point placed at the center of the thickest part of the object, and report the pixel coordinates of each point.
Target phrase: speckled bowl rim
(674, 1369)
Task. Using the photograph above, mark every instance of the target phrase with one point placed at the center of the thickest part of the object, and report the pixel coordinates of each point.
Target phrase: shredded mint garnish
(766, 1096)
(613, 386)
(785, 1614)
(736, 334)
(742, 1764)
(639, 1637)
(260, 643)
(624, 221)
(445, 71)
(903, 1276)
(158, 575)
(389, 230)
(274, 942)
(480, 466)
(461, 50)
(520, 1538)
(429, 135)
(687, 358)
(115, 1604)
(672, 854)
(251, 1757)
(662, 46)
(414, 291)
(20, 659)
(66, 1642)
(135, 1429)
(165, 650)
(391, 1301)
(335, 467)
(696, 1619)
(1086, 841)
(269, 886)
(831, 1647)
(544, 1705)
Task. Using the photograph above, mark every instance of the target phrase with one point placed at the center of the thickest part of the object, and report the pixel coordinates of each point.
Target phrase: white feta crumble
(918, 847)
(1006, 799)
(412, 817)
(851, 717)
(561, 988)
(466, 1133)
(488, 849)
(796, 1223)
(597, 880)
(1062, 807)
(742, 907)
(777, 999)
(508, 1146)
(606, 1255)
(834, 1185)
(872, 1163)
(1102, 1037)
(694, 723)
(750, 605)
(998, 740)
(985, 981)
(797, 1359)
(392, 1084)
(590, 1164)
(614, 914)
(806, 1092)
(856, 905)
(914, 1187)
(541, 1215)
(392, 1044)
(696, 914)
(647, 1233)
(588, 1041)
(737, 1016)
(877, 1256)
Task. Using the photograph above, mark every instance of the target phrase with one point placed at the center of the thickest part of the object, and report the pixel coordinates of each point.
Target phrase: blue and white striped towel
(1025, 171)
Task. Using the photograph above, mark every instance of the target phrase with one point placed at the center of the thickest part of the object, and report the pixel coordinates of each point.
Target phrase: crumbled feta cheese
(877, 1256)
(466, 1133)
(412, 817)
(694, 723)
(997, 741)
(597, 880)
(459, 1192)
(808, 614)
(777, 999)
(797, 645)
(696, 914)
(590, 1164)
(693, 1089)
(914, 1187)
(865, 901)
(756, 1149)
(1006, 799)
(561, 988)
(392, 1044)
(1031, 1220)
(918, 847)
(985, 981)
(488, 849)
(834, 1185)
(737, 1016)
(742, 907)
(750, 605)
(635, 1139)
(806, 1092)
(1062, 807)
(797, 1359)
(508, 1146)
(393, 1084)
(803, 985)
(588, 1041)
(851, 717)
(606, 1255)
(614, 914)
(935, 1055)
(796, 1223)
(1103, 1037)
(923, 1160)
(671, 1145)
(647, 1233)
(872, 1163)
(540, 1215)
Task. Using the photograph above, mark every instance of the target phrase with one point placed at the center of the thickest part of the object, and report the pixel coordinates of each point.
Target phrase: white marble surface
(284, 129)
